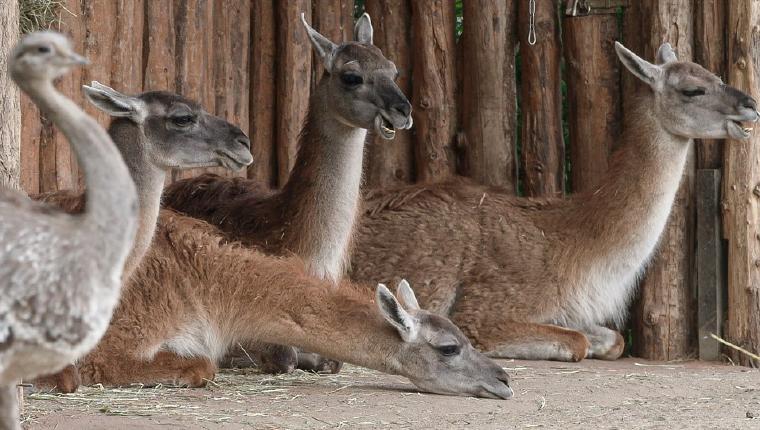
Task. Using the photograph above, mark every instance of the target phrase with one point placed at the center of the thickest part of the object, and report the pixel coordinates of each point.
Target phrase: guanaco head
(173, 132)
(435, 355)
(43, 55)
(361, 82)
(690, 101)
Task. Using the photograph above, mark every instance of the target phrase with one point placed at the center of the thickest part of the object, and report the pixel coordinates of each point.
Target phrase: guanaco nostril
(404, 108)
(749, 103)
(244, 141)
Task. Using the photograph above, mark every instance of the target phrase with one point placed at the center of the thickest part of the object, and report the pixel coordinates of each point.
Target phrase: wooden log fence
(251, 62)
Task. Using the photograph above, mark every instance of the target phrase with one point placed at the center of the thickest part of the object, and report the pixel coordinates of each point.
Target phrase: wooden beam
(594, 116)
(543, 151)
(391, 163)
(293, 81)
(742, 189)
(709, 262)
(665, 316)
(488, 92)
(710, 51)
(262, 68)
(433, 100)
(10, 107)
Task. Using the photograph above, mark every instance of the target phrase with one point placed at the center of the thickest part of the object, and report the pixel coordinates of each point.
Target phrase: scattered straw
(232, 388)
(37, 15)
(736, 347)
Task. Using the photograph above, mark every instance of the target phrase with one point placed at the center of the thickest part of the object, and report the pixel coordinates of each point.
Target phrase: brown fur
(191, 275)
(314, 214)
(538, 278)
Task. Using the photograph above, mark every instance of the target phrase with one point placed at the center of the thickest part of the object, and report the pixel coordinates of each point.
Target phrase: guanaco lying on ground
(313, 216)
(195, 295)
(537, 278)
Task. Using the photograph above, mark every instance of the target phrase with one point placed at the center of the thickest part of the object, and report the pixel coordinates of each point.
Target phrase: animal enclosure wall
(538, 119)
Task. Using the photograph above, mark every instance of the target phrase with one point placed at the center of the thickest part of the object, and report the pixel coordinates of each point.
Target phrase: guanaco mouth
(384, 128)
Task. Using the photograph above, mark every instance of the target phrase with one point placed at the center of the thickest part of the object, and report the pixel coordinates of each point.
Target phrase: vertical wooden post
(10, 108)
(742, 189)
(543, 153)
(230, 64)
(159, 50)
(127, 49)
(710, 51)
(709, 262)
(433, 99)
(488, 91)
(262, 92)
(665, 314)
(592, 74)
(194, 31)
(335, 20)
(293, 81)
(392, 162)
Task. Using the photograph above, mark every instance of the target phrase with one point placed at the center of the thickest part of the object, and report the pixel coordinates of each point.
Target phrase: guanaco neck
(320, 201)
(149, 180)
(109, 213)
(341, 323)
(624, 217)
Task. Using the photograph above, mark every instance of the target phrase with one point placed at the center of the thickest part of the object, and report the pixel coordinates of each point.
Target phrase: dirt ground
(626, 394)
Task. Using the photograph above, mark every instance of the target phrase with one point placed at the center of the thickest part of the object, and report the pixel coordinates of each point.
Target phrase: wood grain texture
(335, 20)
(390, 163)
(742, 189)
(488, 92)
(665, 315)
(543, 156)
(710, 50)
(262, 70)
(709, 262)
(10, 105)
(592, 74)
(293, 81)
(433, 98)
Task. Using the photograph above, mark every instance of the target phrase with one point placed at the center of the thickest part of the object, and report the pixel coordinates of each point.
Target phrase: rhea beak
(76, 59)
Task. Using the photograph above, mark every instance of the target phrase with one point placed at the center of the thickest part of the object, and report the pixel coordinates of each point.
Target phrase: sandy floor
(627, 394)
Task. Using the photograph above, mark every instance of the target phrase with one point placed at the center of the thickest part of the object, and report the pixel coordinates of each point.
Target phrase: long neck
(625, 217)
(149, 180)
(342, 323)
(320, 201)
(111, 198)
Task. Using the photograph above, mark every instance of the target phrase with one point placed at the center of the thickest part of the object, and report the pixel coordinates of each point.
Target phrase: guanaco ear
(406, 295)
(406, 325)
(363, 29)
(324, 47)
(666, 54)
(641, 68)
(115, 103)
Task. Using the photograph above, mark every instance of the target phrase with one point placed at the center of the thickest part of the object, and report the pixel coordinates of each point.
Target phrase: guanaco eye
(448, 350)
(43, 49)
(693, 93)
(183, 120)
(351, 79)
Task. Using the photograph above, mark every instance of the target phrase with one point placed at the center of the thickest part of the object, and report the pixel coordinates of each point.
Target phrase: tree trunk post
(488, 92)
(741, 190)
(543, 155)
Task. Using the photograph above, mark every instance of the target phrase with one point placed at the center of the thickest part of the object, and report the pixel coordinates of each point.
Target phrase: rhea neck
(320, 200)
(110, 192)
(149, 180)
(629, 211)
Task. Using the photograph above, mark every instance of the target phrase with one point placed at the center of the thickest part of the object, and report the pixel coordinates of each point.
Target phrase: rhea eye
(183, 120)
(448, 350)
(693, 93)
(351, 79)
